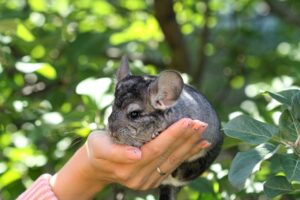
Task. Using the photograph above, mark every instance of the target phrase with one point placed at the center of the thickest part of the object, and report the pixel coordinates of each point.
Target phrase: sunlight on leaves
(24, 33)
(83, 132)
(38, 52)
(102, 8)
(96, 89)
(47, 71)
(38, 19)
(3, 167)
(187, 29)
(52, 118)
(63, 7)
(20, 140)
(27, 67)
(64, 144)
(19, 154)
(284, 48)
(35, 161)
(9, 177)
(5, 139)
(277, 84)
(237, 82)
(133, 5)
(38, 5)
(139, 30)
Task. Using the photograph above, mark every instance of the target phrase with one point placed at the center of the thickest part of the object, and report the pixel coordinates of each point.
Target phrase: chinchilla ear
(123, 70)
(165, 90)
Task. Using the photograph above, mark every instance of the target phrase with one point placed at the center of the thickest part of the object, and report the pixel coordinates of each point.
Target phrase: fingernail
(204, 144)
(204, 125)
(134, 153)
(187, 123)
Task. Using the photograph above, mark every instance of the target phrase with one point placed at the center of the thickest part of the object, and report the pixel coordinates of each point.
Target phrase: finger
(187, 149)
(155, 151)
(160, 180)
(202, 145)
(169, 137)
(183, 130)
(101, 146)
(155, 178)
(182, 144)
(153, 181)
(194, 130)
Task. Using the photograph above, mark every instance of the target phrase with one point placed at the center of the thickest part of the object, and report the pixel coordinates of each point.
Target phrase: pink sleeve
(39, 190)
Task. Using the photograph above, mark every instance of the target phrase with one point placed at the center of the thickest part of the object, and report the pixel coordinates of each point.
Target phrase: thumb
(101, 146)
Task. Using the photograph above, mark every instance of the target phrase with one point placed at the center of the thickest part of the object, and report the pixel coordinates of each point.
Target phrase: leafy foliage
(244, 163)
(57, 64)
(250, 130)
(276, 185)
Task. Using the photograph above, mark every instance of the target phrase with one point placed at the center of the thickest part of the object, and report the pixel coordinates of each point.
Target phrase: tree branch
(166, 17)
(284, 11)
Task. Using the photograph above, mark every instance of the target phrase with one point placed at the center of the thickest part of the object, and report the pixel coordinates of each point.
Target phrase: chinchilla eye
(134, 114)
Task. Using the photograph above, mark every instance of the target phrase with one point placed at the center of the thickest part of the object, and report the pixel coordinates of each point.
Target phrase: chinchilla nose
(113, 124)
(112, 129)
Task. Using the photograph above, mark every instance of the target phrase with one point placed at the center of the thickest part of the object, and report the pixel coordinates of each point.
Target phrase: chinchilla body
(194, 105)
(146, 105)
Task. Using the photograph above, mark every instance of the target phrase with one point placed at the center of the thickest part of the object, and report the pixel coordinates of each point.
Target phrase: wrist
(78, 178)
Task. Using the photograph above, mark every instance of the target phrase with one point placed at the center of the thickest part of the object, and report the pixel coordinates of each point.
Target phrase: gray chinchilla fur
(146, 105)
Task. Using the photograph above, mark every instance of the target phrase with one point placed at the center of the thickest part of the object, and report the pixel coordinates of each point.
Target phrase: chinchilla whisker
(138, 138)
(77, 140)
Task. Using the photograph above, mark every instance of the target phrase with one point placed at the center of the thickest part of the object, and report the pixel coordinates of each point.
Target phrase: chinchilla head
(141, 103)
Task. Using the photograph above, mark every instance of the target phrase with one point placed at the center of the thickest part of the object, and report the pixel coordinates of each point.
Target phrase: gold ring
(160, 172)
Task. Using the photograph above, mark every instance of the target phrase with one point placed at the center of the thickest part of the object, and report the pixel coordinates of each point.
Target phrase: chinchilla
(146, 105)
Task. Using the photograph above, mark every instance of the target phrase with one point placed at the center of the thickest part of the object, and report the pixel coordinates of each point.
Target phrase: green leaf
(40, 5)
(24, 33)
(9, 176)
(275, 165)
(287, 127)
(38, 51)
(44, 69)
(276, 185)
(237, 82)
(244, 163)
(202, 185)
(47, 71)
(291, 166)
(284, 97)
(249, 130)
(296, 105)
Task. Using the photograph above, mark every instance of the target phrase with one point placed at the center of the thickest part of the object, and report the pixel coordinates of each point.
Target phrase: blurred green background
(58, 59)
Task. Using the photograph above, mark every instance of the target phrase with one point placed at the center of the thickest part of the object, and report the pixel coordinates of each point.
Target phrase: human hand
(100, 162)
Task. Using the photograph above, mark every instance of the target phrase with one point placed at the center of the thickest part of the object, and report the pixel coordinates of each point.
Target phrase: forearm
(100, 162)
(75, 180)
